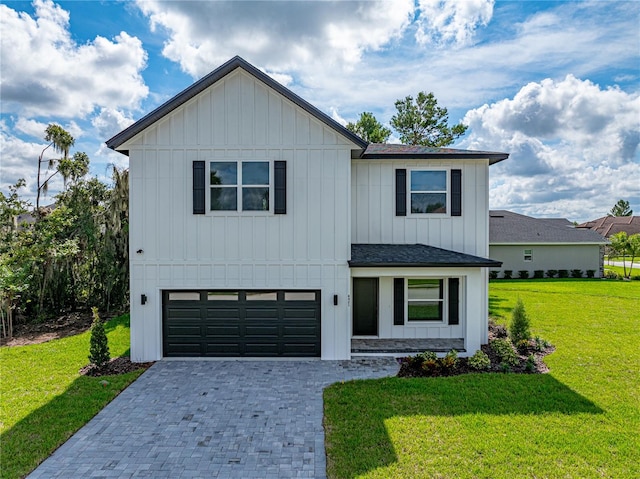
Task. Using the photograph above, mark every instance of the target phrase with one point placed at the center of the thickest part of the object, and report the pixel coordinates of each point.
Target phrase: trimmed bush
(591, 273)
(576, 273)
(493, 274)
(479, 361)
(523, 274)
(98, 345)
(539, 273)
(563, 273)
(519, 327)
(504, 349)
(552, 273)
(507, 273)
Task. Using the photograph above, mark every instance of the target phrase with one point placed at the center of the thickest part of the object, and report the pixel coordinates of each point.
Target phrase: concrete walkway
(212, 419)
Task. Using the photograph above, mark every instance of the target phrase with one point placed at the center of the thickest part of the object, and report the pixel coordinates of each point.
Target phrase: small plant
(504, 349)
(430, 363)
(591, 273)
(507, 273)
(98, 345)
(523, 274)
(450, 361)
(611, 275)
(540, 344)
(522, 345)
(519, 327)
(576, 273)
(563, 273)
(552, 273)
(538, 274)
(493, 274)
(530, 364)
(479, 361)
(505, 367)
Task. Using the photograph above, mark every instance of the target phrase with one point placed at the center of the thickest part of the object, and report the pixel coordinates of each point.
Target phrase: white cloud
(277, 35)
(46, 73)
(110, 122)
(574, 147)
(451, 21)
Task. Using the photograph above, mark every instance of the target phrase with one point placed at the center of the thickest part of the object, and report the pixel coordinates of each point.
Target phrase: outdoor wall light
(140, 251)
(143, 299)
(335, 300)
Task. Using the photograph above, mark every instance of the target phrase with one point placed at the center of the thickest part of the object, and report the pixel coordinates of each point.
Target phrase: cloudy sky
(556, 84)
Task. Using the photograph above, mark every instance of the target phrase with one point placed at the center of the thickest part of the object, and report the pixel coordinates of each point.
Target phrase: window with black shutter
(199, 187)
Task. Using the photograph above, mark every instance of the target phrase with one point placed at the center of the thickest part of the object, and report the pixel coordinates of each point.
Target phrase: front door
(365, 306)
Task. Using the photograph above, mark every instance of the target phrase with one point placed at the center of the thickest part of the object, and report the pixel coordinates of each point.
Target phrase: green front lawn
(44, 399)
(582, 420)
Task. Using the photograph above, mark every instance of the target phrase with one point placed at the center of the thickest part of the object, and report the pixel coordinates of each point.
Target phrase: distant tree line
(70, 256)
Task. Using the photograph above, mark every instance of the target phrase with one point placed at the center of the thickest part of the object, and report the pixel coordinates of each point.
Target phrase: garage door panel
(241, 326)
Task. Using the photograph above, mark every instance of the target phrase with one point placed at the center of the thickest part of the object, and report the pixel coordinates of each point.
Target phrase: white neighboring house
(261, 227)
(524, 243)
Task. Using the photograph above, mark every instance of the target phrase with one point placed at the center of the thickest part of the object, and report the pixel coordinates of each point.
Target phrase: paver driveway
(212, 419)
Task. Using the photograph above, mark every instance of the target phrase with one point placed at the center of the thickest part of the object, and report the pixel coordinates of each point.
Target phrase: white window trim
(445, 304)
(238, 187)
(447, 193)
(530, 255)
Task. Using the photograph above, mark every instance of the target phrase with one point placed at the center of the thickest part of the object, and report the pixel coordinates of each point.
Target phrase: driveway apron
(212, 419)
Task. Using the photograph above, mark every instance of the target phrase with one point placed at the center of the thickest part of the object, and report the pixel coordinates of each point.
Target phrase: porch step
(405, 346)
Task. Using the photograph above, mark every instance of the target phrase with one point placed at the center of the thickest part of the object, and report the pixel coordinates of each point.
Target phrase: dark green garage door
(241, 323)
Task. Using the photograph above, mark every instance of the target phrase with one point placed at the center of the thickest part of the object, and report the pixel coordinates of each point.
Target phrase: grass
(579, 421)
(620, 270)
(44, 399)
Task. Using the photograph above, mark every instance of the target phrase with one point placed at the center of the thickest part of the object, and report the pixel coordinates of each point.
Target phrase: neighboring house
(528, 244)
(259, 226)
(610, 225)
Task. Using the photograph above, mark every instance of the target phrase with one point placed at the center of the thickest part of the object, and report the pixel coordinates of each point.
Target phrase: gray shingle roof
(609, 225)
(413, 255)
(382, 151)
(506, 227)
(208, 80)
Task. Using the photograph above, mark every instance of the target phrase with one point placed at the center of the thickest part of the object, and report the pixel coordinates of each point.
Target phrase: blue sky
(555, 84)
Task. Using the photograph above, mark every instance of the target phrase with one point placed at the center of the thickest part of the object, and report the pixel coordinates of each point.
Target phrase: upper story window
(239, 185)
(428, 191)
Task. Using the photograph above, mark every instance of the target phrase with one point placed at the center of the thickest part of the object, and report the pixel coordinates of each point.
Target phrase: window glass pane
(184, 296)
(224, 173)
(265, 296)
(425, 311)
(428, 181)
(224, 198)
(255, 199)
(222, 296)
(299, 296)
(424, 289)
(428, 202)
(255, 173)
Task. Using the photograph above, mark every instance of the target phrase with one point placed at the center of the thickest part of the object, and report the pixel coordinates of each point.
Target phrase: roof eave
(492, 157)
(488, 264)
(208, 80)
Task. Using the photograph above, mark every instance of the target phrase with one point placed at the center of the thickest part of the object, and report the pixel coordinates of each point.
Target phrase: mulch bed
(119, 365)
(407, 370)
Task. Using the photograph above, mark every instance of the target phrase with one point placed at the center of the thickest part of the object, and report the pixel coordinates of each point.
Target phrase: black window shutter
(454, 301)
(199, 177)
(456, 192)
(398, 301)
(401, 192)
(280, 187)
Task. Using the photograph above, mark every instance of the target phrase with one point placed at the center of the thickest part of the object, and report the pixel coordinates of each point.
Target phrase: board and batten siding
(373, 207)
(547, 256)
(307, 248)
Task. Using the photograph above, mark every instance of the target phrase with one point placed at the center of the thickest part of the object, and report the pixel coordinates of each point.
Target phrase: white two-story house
(260, 227)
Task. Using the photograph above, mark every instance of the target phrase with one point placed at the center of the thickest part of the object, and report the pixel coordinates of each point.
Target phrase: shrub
(98, 344)
(552, 273)
(576, 273)
(563, 273)
(530, 365)
(507, 273)
(611, 275)
(539, 273)
(479, 361)
(493, 274)
(540, 344)
(504, 349)
(591, 273)
(450, 361)
(519, 327)
(523, 274)
(522, 345)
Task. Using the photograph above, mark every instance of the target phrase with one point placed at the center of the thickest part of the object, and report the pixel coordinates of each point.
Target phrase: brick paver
(212, 419)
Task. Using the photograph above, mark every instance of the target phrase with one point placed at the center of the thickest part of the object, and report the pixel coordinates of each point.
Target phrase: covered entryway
(241, 323)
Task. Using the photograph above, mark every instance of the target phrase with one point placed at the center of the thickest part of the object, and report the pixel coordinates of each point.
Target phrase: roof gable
(209, 80)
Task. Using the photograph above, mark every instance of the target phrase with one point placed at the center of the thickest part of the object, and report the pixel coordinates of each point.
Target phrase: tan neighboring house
(610, 225)
(523, 243)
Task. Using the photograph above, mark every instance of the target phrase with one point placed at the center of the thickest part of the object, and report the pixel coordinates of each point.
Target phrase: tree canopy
(370, 129)
(421, 121)
(621, 208)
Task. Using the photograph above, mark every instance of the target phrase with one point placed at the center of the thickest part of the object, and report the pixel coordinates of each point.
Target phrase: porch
(404, 347)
